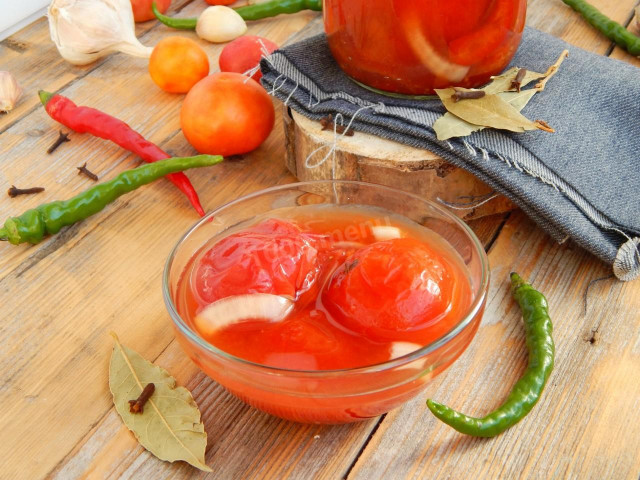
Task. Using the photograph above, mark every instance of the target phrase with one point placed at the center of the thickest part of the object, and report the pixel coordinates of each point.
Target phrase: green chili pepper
(49, 218)
(179, 23)
(612, 30)
(277, 7)
(250, 12)
(527, 390)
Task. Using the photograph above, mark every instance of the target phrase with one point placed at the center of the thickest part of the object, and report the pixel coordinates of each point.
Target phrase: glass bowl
(329, 396)
(415, 46)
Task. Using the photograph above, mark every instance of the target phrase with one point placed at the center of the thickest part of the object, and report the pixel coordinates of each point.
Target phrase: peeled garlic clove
(385, 232)
(85, 30)
(10, 92)
(235, 309)
(220, 24)
(400, 349)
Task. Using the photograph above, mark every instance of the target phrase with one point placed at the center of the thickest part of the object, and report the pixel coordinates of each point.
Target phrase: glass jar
(415, 46)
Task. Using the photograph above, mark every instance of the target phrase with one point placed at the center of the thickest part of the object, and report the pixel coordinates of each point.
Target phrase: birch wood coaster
(368, 158)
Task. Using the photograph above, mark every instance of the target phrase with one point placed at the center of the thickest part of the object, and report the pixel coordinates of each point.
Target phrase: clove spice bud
(467, 94)
(10, 92)
(83, 170)
(137, 405)
(517, 82)
(15, 191)
(62, 137)
(86, 30)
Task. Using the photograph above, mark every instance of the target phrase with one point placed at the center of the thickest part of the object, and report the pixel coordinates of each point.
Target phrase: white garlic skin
(86, 30)
(219, 24)
(10, 92)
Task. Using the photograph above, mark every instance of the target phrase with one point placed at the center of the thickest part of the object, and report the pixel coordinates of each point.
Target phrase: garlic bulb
(10, 92)
(86, 30)
(220, 24)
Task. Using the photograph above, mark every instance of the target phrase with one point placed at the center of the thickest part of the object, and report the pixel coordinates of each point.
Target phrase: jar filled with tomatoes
(415, 46)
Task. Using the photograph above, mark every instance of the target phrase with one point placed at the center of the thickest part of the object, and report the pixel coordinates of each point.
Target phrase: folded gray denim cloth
(581, 182)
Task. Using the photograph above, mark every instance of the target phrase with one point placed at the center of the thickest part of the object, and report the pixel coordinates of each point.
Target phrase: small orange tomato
(177, 64)
(226, 114)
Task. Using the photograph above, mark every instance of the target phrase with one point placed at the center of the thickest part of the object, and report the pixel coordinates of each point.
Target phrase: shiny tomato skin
(389, 290)
(142, 9)
(177, 64)
(244, 53)
(226, 114)
(271, 257)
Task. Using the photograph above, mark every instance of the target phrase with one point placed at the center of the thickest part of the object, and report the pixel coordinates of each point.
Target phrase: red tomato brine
(415, 46)
(324, 288)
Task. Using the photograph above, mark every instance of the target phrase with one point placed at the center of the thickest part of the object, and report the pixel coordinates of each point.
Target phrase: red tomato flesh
(391, 290)
(271, 257)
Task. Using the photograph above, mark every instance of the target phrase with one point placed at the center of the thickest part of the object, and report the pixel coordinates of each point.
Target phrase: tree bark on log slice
(368, 158)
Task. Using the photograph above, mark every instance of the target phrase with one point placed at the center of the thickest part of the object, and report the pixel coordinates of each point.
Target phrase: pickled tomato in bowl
(300, 293)
(261, 299)
(397, 290)
(273, 257)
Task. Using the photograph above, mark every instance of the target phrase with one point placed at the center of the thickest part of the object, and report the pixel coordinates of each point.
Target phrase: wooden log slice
(372, 159)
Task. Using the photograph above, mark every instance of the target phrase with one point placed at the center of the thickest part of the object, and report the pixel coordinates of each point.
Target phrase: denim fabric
(582, 182)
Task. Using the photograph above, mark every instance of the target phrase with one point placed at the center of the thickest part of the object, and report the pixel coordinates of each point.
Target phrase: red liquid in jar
(357, 299)
(416, 46)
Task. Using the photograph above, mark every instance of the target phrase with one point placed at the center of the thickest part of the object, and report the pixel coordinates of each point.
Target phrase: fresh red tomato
(390, 290)
(226, 114)
(272, 257)
(244, 54)
(142, 9)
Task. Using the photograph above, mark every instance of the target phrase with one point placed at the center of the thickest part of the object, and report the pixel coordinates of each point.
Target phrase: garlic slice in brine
(385, 232)
(230, 310)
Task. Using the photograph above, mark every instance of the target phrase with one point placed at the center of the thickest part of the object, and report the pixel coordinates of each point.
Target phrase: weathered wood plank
(35, 62)
(556, 18)
(574, 432)
(62, 297)
(581, 427)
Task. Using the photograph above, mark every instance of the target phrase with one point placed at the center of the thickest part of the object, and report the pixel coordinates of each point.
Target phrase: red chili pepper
(103, 125)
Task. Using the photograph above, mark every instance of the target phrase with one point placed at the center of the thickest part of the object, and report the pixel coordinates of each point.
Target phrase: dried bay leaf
(449, 126)
(499, 108)
(488, 111)
(170, 427)
(519, 99)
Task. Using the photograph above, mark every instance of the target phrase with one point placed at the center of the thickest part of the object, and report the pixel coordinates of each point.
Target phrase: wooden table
(59, 300)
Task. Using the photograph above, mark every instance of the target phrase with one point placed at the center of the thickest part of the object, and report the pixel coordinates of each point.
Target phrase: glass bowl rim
(193, 337)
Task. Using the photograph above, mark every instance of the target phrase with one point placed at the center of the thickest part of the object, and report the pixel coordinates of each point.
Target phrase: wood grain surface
(60, 299)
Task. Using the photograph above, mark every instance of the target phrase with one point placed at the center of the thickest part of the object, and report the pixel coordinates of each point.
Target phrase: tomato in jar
(415, 46)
